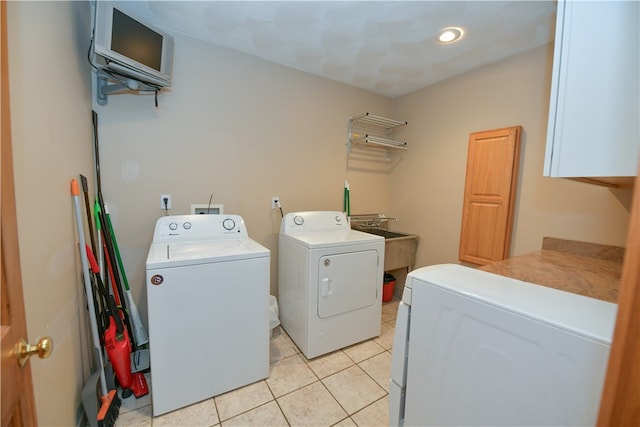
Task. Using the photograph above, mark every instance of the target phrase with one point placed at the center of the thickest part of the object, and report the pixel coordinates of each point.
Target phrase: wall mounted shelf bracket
(108, 84)
(105, 89)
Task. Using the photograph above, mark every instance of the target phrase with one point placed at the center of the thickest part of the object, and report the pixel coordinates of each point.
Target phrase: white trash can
(273, 313)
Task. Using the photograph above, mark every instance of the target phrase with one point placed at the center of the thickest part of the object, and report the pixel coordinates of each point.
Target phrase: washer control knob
(186, 225)
(338, 219)
(173, 226)
(228, 224)
(298, 220)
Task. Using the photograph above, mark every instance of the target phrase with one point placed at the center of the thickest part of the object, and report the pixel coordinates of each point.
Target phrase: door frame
(18, 400)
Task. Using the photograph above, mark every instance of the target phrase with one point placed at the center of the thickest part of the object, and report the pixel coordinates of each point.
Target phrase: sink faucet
(370, 220)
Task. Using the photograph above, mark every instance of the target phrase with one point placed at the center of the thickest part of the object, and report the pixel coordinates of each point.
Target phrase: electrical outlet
(275, 202)
(165, 205)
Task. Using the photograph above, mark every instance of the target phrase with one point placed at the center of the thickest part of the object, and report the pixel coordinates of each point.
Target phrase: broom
(135, 381)
(109, 401)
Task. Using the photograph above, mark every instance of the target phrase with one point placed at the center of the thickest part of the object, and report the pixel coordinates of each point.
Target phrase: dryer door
(346, 282)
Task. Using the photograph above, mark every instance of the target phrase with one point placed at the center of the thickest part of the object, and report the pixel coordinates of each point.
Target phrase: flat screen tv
(131, 47)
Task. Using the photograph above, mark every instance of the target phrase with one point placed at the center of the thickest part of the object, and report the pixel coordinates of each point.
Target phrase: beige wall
(51, 125)
(239, 128)
(427, 189)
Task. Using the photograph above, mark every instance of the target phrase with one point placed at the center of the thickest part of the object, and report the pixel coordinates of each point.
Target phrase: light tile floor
(348, 387)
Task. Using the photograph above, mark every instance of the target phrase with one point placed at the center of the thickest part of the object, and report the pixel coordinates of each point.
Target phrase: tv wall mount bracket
(108, 84)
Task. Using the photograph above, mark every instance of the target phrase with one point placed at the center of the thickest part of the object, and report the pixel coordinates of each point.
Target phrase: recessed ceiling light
(449, 35)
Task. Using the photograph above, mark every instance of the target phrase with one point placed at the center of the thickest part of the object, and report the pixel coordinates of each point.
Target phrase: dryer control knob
(228, 224)
(173, 226)
(298, 220)
(186, 225)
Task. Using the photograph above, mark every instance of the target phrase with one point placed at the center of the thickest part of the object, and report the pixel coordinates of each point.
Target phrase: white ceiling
(386, 47)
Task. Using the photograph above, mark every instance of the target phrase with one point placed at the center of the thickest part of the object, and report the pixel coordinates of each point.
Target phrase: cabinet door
(593, 113)
(489, 195)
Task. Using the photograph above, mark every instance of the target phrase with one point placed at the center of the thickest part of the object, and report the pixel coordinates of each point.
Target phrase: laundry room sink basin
(386, 233)
(399, 248)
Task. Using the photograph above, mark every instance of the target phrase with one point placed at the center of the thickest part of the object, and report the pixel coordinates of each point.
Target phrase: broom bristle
(109, 410)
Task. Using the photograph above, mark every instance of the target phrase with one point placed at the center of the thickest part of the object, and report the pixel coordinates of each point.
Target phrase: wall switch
(165, 201)
(275, 202)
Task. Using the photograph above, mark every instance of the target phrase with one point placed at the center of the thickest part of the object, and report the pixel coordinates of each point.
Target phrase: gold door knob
(24, 350)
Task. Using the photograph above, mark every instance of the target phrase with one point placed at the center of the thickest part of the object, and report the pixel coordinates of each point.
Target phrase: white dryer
(208, 303)
(330, 281)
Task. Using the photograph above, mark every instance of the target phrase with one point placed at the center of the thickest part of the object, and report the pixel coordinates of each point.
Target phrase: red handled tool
(105, 411)
(116, 337)
(117, 341)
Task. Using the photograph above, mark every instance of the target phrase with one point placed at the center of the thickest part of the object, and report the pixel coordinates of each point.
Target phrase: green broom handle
(117, 250)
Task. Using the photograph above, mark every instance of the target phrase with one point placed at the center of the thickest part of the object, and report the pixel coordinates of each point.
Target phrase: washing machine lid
(583, 316)
(323, 239)
(163, 255)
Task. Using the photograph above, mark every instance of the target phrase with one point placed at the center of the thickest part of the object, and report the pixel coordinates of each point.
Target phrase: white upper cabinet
(594, 118)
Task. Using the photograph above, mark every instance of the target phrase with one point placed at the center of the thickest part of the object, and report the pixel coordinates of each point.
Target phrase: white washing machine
(474, 348)
(330, 281)
(208, 304)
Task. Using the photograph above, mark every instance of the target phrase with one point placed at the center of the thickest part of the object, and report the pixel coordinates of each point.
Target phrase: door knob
(24, 350)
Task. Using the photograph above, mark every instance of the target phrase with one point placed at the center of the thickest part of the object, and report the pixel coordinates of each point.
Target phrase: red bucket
(387, 287)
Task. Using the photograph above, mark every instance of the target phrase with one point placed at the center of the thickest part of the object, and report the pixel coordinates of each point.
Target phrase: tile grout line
(390, 323)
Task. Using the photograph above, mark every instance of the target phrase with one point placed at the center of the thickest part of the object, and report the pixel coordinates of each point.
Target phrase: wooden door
(489, 195)
(620, 403)
(18, 402)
